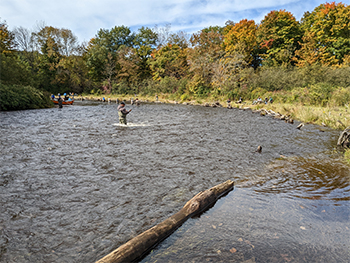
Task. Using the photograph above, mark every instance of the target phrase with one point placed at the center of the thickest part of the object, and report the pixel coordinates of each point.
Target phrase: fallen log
(140, 245)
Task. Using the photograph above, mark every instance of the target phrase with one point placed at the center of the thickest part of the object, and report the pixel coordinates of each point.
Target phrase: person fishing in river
(122, 112)
(60, 101)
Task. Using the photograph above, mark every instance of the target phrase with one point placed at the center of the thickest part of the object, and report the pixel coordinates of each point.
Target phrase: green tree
(12, 69)
(169, 61)
(103, 49)
(47, 39)
(279, 35)
(72, 70)
(7, 39)
(208, 40)
(144, 43)
(58, 49)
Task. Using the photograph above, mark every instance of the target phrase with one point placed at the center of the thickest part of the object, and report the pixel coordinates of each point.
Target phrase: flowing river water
(75, 185)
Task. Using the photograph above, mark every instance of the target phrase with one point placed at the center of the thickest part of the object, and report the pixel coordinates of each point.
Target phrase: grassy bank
(333, 117)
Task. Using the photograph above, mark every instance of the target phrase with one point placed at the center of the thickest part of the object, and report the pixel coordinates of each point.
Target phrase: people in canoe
(62, 99)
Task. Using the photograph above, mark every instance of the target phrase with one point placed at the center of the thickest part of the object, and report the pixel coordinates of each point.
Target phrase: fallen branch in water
(137, 247)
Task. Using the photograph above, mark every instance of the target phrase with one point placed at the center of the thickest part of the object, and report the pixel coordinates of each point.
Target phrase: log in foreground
(138, 247)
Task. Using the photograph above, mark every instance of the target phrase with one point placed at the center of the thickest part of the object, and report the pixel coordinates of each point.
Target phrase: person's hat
(64, 94)
(122, 103)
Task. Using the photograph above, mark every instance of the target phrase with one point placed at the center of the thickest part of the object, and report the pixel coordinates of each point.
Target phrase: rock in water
(259, 149)
(300, 126)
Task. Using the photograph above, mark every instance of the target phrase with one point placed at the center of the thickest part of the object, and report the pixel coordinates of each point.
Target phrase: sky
(86, 17)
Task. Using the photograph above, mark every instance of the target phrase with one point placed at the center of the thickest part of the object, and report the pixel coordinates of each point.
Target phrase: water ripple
(74, 185)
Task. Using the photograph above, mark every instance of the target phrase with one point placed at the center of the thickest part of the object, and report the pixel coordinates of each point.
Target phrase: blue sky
(85, 17)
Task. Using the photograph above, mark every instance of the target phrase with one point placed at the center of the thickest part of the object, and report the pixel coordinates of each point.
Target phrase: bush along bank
(17, 97)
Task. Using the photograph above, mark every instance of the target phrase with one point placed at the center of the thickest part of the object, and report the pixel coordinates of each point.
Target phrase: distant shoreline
(337, 118)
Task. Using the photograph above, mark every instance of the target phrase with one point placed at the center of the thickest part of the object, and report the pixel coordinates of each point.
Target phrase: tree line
(237, 59)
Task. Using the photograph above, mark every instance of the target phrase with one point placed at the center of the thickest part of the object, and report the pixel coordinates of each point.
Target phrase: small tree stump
(344, 138)
(301, 125)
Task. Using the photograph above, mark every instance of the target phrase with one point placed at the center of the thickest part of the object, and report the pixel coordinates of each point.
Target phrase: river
(75, 185)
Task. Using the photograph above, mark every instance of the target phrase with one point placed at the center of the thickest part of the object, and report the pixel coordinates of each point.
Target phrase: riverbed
(75, 185)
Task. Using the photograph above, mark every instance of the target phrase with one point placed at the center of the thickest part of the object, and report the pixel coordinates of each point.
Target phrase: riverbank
(337, 118)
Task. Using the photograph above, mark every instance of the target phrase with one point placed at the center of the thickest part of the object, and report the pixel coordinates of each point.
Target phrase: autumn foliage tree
(279, 35)
(206, 52)
(7, 39)
(169, 61)
(327, 35)
(241, 39)
(55, 46)
(101, 52)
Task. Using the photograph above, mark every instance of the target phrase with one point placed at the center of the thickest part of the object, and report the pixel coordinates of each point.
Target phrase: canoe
(68, 102)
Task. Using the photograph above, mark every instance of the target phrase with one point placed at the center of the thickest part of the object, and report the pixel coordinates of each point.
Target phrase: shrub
(120, 88)
(319, 94)
(17, 97)
(340, 97)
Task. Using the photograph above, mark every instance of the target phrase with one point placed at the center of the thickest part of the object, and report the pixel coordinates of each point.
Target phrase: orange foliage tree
(241, 39)
(327, 35)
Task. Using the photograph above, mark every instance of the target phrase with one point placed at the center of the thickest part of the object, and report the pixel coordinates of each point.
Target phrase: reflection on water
(130, 125)
(314, 178)
(75, 184)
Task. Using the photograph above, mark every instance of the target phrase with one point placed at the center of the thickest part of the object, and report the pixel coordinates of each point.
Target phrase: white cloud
(86, 17)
